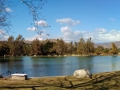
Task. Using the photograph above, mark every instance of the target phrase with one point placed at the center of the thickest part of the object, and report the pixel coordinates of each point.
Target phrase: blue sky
(71, 20)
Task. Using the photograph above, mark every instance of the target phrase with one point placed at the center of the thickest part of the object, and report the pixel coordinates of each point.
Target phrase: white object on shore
(35, 55)
(82, 73)
(18, 76)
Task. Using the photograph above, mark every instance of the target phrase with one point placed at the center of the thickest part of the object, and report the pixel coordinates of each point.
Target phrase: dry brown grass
(101, 81)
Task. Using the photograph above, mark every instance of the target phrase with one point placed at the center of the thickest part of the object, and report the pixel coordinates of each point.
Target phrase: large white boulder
(82, 73)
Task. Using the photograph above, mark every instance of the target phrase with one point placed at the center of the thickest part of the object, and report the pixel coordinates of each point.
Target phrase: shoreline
(55, 55)
(110, 72)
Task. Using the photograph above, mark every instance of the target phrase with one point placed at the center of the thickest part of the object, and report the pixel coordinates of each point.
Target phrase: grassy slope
(101, 81)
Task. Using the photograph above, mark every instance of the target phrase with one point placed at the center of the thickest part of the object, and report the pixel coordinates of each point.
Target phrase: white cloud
(101, 30)
(68, 21)
(65, 29)
(69, 34)
(8, 10)
(114, 32)
(74, 35)
(112, 19)
(32, 29)
(101, 36)
(77, 32)
(41, 23)
(108, 37)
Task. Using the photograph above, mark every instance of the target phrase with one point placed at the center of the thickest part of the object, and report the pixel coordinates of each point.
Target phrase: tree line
(18, 46)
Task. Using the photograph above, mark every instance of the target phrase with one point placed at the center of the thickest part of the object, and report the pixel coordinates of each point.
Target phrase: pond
(57, 66)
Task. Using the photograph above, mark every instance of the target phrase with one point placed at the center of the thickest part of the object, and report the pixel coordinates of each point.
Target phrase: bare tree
(4, 17)
(34, 7)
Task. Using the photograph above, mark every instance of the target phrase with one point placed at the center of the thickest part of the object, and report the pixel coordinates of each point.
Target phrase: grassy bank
(100, 81)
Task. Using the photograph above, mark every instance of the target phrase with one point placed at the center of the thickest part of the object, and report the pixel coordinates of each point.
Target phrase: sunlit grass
(101, 81)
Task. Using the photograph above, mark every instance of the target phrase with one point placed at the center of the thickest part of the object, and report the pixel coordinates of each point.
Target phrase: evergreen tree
(46, 47)
(4, 49)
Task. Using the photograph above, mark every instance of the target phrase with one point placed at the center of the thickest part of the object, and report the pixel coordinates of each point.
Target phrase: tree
(81, 47)
(18, 45)
(75, 47)
(58, 47)
(66, 50)
(46, 47)
(99, 50)
(89, 47)
(36, 47)
(106, 50)
(11, 45)
(4, 49)
(4, 15)
(4, 18)
(70, 48)
(34, 7)
(26, 48)
(114, 49)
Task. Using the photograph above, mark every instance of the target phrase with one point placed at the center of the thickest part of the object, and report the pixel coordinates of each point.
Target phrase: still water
(57, 66)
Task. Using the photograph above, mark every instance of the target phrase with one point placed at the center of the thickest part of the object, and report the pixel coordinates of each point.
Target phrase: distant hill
(108, 45)
(27, 41)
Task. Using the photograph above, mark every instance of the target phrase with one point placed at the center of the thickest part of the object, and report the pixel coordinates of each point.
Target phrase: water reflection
(56, 66)
(11, 65)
